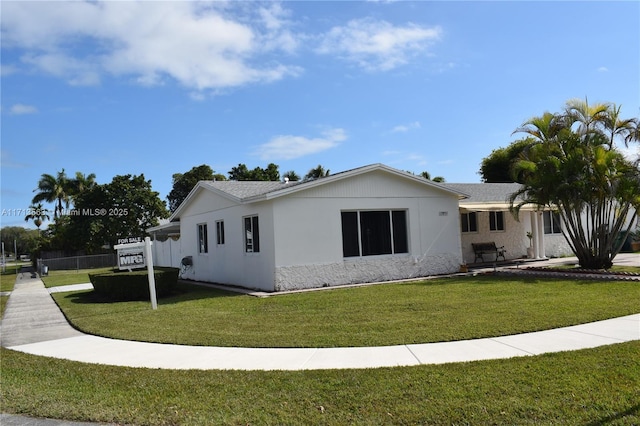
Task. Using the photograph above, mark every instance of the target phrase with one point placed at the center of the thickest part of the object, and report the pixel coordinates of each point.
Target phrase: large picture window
(551, 222)
(377, 232)
(251, 235)
(203, 241)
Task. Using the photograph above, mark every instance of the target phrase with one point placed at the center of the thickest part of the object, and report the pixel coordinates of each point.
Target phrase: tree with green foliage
(291, 175)
(317, 173)
(26, 240)
(125, 207)
(184, 183)
(81, 183)
(497, 167)
(573, 167)
(62, 190)
(54, 189)
(427, 176)
(242, 173)
(38, 214)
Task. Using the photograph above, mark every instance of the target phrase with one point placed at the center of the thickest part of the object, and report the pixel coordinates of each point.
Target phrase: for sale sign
(131, 258)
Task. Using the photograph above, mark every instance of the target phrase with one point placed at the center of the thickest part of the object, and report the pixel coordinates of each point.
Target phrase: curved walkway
(34, 324)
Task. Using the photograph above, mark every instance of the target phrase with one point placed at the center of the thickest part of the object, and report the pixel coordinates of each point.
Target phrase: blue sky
(116, 88)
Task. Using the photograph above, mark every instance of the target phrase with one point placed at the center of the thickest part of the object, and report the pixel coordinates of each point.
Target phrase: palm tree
(38, 214)
(589, 117)
(82, 183)
(581, 175)
(616, 126)
(291, 175)
(54, 189)
(317, 173)
(427, 176)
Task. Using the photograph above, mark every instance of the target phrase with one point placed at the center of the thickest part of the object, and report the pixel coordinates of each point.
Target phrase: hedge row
(124, 285)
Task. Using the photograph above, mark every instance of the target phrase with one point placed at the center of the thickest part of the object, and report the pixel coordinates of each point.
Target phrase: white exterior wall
(228, 263)
(513, 238)
(308, 229)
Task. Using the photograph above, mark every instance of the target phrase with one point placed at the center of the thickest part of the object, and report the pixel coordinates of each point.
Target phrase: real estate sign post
(138, 255)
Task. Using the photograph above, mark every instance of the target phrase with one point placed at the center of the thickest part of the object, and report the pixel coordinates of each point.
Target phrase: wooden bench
(480, 249)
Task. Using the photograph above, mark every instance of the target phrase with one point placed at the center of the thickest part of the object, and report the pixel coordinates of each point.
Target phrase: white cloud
(378, 45)
(403, 128)
(201, 45)
(7, 161)
(287, 147)
(22, 109)
(603, 69)
(6, 70)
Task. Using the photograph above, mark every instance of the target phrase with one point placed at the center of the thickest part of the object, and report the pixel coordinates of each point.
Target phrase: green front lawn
(598, 386)
(588, 387)
(58, 278)
(418, 312)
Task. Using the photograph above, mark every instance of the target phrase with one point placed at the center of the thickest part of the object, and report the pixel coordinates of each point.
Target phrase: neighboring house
(485, 217)
(373, 223)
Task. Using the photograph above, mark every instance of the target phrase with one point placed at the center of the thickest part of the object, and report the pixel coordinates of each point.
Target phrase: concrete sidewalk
(34, 324)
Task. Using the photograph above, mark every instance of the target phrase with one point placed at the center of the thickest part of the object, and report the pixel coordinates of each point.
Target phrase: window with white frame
(552, 223)
(377, 232)
(251, 235)
(469, 222)
(496, 221)
(220, 232)
(203, 243)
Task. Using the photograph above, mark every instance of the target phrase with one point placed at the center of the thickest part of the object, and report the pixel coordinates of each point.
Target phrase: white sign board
(134, 253)
(131, 258)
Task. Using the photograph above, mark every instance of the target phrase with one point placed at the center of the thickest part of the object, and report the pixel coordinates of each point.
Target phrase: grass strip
(588, 387)
(392, 314)
(81, 276)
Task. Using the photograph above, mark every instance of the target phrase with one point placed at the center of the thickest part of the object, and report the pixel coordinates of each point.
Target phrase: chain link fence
(76, 263)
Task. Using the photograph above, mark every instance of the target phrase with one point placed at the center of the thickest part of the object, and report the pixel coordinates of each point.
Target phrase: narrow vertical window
(551, 222)
(220, 232)
(350, 240)
(469, 222)
(400, 240)
(203, 243)
(496, 221)
(251, 235)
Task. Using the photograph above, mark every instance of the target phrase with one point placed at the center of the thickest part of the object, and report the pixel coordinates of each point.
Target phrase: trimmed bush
(124, 285)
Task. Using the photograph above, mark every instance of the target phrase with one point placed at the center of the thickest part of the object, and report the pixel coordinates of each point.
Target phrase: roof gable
(253, 191)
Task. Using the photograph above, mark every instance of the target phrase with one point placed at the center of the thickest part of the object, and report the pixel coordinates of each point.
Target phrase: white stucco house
(485, 217)
(373, 223)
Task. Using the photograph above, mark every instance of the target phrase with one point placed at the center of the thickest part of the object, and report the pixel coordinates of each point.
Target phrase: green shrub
(124, 285)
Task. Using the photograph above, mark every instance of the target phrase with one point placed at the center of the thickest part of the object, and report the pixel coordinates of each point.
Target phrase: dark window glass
(551, 222)
(350, 246)
(251, 235)
(220, 232)
(496, 221)
(400, 241)
(203, 244)
(375, 232)
(256, 234)
(469, 222)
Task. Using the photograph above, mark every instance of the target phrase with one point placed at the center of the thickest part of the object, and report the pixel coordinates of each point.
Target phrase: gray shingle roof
(247, 189)
(484, 192)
